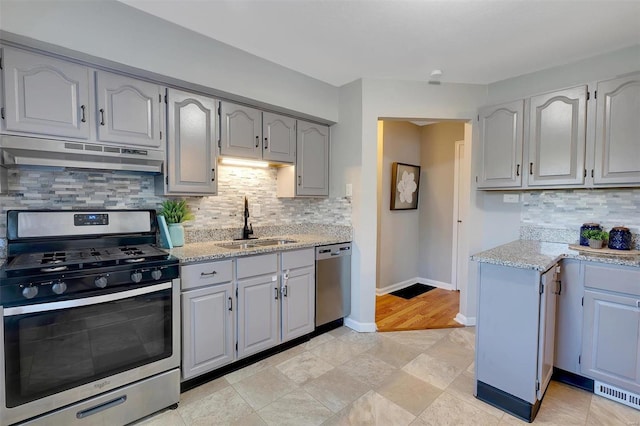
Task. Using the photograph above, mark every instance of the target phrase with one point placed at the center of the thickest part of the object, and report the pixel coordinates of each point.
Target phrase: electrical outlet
(348, 190)
(511, 198)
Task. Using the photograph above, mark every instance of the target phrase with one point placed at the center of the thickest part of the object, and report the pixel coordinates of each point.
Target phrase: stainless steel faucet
(248, 229)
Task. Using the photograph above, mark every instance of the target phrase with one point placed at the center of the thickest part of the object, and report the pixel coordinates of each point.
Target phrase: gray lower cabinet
(569, 317)
(515, 337)
(208, 317)
(45, 96)
(298, 293)
(128, 110)
(611, 337)
(617, 155)
(258, 304)
(191, 151)
(501, 137)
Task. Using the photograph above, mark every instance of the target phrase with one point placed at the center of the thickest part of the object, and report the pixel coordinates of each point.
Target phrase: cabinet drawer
(257, 265)
(200, 274)
(612, 278)
(298, 259)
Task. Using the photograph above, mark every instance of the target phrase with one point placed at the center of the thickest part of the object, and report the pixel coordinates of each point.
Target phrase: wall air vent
(616, 394)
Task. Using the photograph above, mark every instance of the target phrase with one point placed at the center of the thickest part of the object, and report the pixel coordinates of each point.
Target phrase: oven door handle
(75, 303)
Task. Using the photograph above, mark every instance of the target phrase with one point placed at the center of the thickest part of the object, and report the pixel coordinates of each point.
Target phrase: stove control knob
(59, 287)
(101, 282)
(136, 277)
(30, 292)
(156, 274)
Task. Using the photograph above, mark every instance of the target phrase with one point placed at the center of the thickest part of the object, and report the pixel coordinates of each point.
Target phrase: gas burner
(55, 269)
(133, 252)
(53, 258)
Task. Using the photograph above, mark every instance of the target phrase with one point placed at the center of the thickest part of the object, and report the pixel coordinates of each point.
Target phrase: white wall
(398, 242)
(393, 99)
(436, 198)
(116, 32)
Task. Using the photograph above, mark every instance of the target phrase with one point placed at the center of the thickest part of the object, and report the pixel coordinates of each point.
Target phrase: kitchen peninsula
(543, 310)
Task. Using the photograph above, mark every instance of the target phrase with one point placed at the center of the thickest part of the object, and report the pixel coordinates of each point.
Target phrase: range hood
(19, 151)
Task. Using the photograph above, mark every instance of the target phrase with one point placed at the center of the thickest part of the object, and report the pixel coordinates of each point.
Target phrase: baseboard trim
(361, 327)
(468, 321)
(411, 281)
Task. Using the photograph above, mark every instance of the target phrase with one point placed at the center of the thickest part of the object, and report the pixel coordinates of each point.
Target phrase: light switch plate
(348, 190)
(511, 198)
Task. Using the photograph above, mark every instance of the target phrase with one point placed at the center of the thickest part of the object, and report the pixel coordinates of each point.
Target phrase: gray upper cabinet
(241, 130)
(128, 111)
(191, 154)
(312, 163)
(45, 95)
(501, 134)
(557, 138)
(279, 138)
(617, 155)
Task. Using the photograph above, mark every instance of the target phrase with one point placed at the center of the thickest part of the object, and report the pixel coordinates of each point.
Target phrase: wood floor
(433, 309)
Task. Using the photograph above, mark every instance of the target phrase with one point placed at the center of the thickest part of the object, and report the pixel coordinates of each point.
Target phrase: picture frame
(405, 183)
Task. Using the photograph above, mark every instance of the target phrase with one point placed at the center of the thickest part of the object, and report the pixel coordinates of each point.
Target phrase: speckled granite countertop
(211, 250)
(541, 256)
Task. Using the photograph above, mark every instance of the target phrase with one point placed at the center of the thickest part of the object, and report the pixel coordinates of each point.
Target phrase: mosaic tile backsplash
(41, 188)
(557, 215)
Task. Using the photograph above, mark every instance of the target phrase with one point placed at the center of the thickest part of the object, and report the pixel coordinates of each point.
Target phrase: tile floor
(399, 378)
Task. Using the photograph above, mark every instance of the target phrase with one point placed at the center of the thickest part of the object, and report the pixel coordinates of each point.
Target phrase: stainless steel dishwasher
(333, 282)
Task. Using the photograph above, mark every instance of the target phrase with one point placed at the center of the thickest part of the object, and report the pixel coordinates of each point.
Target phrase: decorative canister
(620, 238)
(588, 227)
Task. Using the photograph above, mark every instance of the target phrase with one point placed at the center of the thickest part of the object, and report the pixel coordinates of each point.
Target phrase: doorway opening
(425, 245)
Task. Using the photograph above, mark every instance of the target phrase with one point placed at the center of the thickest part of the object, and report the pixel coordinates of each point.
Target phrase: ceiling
(481, 41)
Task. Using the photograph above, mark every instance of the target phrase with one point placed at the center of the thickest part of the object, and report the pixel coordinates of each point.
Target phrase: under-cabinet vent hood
(19, 151)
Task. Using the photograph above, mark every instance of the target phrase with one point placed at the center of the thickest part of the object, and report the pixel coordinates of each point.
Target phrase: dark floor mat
(412, 291)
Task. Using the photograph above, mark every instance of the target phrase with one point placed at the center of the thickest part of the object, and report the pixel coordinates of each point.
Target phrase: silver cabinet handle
(101, 116)
(266, 143)
(84, 116)
(205, 274)
(299, 180)
(276, 289)
(257, 141)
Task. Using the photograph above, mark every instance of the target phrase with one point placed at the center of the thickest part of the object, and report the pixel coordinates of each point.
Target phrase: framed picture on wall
(405, 179)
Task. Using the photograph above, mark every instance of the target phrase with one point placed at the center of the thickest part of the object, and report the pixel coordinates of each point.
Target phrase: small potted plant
(175, 212)
(596, 237)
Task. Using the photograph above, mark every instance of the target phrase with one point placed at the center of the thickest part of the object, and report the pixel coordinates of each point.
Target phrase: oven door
(62, 352)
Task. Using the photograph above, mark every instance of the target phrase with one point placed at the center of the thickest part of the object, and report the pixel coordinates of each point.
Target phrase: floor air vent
(616, 394)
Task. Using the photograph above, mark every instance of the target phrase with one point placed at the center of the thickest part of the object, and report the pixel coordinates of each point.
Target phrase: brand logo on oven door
(102, 384)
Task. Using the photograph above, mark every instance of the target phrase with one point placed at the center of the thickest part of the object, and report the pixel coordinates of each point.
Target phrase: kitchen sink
(237, 246)
(255, 243)
(279, 242)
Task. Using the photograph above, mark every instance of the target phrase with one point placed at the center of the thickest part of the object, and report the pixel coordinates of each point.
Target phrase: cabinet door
(611, 351)
(128, 110)
(207, 329)
(298, 302)
(279, 138)
(569, 317)
(557, 137)
(241, 130)
(191, 153)
(547, 329)
(312, 164)
(501, 131)
(258, 319)
(617, 156)
(45, 95)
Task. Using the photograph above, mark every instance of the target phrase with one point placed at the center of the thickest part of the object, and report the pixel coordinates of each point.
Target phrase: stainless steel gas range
(91, 326)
